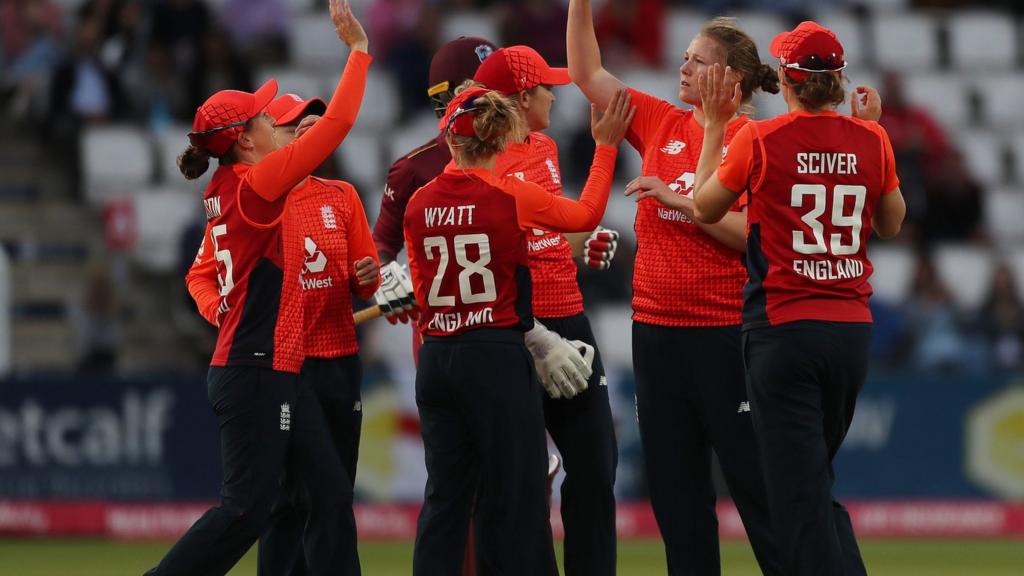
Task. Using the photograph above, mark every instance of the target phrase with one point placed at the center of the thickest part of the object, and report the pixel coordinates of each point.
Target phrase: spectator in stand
(97, 328)
(181, 26)
(938, 342)
(259, 28)
(954, 202)
(408, 31)
(539, 24)
(225, 69)
(920, 146)
(30, 36)
(1001, 320)
(631, 32)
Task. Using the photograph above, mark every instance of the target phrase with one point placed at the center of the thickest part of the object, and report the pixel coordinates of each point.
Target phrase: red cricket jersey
(682, 276)
(556, 294)
(334, 235)
(466, 236)
(814, 182)
(260, 316)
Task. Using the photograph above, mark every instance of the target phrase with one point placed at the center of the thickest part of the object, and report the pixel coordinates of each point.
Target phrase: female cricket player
(269, 419)
(687, 285)
(818, 183)
(480, 407)
(340, 261)
(577, 413)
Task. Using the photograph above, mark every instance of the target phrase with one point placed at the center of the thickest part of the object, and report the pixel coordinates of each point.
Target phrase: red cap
(456, 62)
(458, 117)
(288, 108)
(516, 68)
(808, 48)
(220, 119)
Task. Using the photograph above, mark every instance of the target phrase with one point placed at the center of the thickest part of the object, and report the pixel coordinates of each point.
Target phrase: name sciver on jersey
(826, 163)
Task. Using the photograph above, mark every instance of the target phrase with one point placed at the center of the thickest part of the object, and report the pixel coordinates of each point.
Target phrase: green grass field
(49, 557)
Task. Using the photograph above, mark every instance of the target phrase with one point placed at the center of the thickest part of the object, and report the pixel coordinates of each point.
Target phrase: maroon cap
(220, 119)
(808, 48)
(516, 68)
(288, 108)
(456, 62)
(458, 116)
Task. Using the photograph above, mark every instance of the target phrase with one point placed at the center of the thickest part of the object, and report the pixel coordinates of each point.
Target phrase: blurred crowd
(152, 62)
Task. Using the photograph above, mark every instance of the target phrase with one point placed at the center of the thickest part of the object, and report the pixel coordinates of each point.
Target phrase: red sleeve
(401, 183)
(202, 280)
(538, 208)
(650, 111)
(890, 181)
(360, 242)
(734, 172)
(281, 170)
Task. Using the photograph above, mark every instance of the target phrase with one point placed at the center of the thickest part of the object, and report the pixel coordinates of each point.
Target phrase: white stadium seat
(117, 160)
(983, 153)
(413, 134)
(680, 28)
(314, 42)
(906, 41)
(944, 95)
(380, 101)
(894, 271)
(469, 23)
(362, 158)
(613, 329)
(966, 271)
(1015, 259)
(982, 40)
(299, 82)
(171, 142)
(1004, 216)
(1017, 153)
(762, 27)
(848, 29)
(161, 215)
(1002, 100)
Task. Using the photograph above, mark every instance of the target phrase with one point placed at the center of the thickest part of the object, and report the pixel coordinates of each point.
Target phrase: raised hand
(720, 95)
(866, 104)
(349, 30)
(305, 124)
(653, 187)
(610, 128)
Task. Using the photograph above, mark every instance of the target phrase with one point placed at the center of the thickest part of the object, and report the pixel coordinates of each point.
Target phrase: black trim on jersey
(755, 310)
(253, 341)
(524, 298)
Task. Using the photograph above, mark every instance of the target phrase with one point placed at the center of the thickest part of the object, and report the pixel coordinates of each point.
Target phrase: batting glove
(563, 366)
(395, 295)
(600, 248)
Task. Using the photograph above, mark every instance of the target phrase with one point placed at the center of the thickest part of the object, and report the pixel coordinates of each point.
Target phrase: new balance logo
(674, 147)
(286, 416)
(357, 407)
(744, 407)
(603, 381)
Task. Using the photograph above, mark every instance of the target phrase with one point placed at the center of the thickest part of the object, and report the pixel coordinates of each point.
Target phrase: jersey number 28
(468, 269)
(839, 220)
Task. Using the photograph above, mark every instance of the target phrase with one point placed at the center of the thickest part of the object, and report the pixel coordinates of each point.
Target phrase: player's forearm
(206, 295)
(584, 55)
(282, 169)
(888, 217)
(731, 230)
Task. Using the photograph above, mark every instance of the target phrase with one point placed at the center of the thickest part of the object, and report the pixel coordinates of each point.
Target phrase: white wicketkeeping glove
(599, 249)
(395, 295)
(563, 366)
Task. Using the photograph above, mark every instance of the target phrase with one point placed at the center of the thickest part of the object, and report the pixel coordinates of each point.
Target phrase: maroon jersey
(814, 181)
(261, 317)
(407, 175)
(556, 294)
(467, 256)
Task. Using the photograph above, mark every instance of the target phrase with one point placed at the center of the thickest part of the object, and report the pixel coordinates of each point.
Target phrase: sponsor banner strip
(872, 519)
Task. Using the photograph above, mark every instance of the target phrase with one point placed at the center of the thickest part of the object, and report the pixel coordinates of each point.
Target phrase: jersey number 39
(839, 220)
(468, 269)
